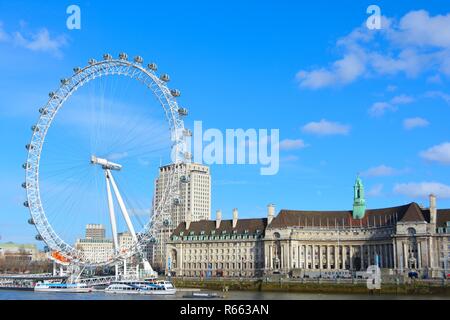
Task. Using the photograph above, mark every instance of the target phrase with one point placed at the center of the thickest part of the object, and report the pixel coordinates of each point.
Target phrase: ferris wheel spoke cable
(138, 140)
(65, 209)
(55, 190)
(106, 107)
(53, 173)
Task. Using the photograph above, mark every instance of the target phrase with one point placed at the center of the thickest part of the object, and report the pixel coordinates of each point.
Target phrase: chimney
(433, 210)
(235, 217)
(270, 213)
(218, 218)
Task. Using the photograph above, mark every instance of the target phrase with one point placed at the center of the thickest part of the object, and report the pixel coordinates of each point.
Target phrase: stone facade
(228, 248)
(397, 239)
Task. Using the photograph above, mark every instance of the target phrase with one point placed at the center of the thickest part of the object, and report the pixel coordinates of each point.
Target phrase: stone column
(394, 254)
(299, 258)
(361, 254)
(431, 252)
(419, 255)
(313, 256)
(344, 257)
(351, 257)
(270, 257)
(308, 257)
(336, 257)
(320, 257)
(305, 256)
(405, 256)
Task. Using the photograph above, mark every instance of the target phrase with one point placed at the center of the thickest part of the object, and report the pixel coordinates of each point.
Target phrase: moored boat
(62, 287)
(203, 295)
(149, 287)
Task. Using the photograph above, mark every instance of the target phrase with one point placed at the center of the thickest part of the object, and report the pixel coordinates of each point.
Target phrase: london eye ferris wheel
(94, 152)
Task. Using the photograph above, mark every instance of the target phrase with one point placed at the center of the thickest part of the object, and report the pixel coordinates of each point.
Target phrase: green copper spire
(359, 203)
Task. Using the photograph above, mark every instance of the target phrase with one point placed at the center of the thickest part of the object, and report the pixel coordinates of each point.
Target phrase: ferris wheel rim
(82, 76)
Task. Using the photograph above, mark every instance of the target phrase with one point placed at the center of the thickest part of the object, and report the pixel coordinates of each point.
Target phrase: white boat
(150, 287)
(62, 287)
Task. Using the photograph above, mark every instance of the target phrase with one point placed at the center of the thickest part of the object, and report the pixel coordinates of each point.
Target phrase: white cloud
(375, 191)
(381, 170)
(417, 122)
(438, 94)
(343, 71)
(439, 153)
(416, 43)
(325, 127)
(41, 41)
(422, 189)
(436, 79)
(379, 108)
(402, 99)
(417, 28)
(289, 144)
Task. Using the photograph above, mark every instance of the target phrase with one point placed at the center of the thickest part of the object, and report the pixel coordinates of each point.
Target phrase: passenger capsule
(64, 81)
(165, 77)
(107, 56)
(153, 66)
(35, 128)
(77, 69)
(123, 56)
(26, 204)
(26, 166)
(29, 147)
(52, 94)
(43, 111)
(46, 249)
(92, 61)
(39, 237)
(182, 112)
(31, 221)
(175, 92)
(187, 133)
(24, 185)
(138, 59)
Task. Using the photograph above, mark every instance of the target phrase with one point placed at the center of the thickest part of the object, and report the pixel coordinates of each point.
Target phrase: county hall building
(397, 239)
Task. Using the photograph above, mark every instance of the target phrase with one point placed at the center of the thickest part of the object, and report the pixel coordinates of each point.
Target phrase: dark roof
(443, 215)
(373, 217)
(243, 225)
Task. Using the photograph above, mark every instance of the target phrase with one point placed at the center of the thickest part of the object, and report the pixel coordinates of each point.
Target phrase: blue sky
(347, 100)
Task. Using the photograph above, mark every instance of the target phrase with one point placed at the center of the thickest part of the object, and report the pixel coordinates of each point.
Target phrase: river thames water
(232, 295)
